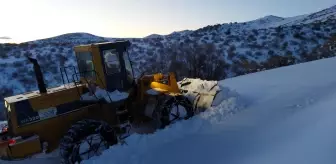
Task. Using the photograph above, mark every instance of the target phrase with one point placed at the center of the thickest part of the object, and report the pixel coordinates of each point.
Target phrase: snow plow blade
(203, 94)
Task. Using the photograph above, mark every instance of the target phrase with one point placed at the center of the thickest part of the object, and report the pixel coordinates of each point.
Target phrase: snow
(305, 138)
(289, 21)
(289, 118)
(153, 36)
(199, 85)
(283, 115)
(103, 94)
(264, 22)
(144, 46)
(144, 51)
(51, 158)
(212, 91)
(274, 21)
(139, 145)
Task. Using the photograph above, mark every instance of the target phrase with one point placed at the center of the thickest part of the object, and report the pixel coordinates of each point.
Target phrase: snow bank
(304, 137)
(138, 145)
(290, 119)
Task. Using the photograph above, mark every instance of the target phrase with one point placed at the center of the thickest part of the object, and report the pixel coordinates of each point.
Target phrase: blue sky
(25, 20)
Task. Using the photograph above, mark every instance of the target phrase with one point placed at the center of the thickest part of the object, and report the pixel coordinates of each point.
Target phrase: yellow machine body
(49, 115)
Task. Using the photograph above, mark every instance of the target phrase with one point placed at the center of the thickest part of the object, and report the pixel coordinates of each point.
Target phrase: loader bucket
(203, 94)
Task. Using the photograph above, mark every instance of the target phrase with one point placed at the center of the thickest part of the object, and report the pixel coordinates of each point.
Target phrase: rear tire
(79, 132)
(175, 109)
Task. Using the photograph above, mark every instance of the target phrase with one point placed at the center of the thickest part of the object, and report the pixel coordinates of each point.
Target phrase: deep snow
(289, 118)
(285, 115)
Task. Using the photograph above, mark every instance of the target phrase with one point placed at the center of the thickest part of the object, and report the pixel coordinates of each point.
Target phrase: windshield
(128, 66)
(112, 63)
(85, 64)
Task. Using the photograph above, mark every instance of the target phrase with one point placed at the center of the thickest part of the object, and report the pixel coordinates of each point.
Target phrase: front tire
(175, 109)
(86, 132)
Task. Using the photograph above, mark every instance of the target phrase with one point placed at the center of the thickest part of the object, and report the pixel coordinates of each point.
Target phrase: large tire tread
(79, 131)
(181, 100)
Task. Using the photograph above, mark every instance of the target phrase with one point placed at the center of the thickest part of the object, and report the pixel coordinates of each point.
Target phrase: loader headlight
(6, 104)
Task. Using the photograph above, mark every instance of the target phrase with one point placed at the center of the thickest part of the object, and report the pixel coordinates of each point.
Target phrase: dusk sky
(25, 20)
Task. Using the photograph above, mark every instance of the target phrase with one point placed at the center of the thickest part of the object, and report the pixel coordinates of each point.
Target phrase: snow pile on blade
(205, 94)
(139, 145)
(198, 85)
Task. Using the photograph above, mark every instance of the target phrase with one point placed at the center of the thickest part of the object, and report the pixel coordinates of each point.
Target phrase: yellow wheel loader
(96, 107)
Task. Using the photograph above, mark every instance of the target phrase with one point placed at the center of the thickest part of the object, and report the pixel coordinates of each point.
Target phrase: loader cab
(106, 64)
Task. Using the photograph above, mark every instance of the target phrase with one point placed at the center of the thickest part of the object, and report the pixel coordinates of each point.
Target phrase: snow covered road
(290, 118)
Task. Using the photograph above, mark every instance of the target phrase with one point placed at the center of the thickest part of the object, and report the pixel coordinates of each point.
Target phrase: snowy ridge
(275, 21)
(322, 15)
(72, 38)
(153, 36)
(265, 22)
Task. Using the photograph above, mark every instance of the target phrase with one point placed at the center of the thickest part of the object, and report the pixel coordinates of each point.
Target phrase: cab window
(85, 64)
(112, 64)
(128, 66)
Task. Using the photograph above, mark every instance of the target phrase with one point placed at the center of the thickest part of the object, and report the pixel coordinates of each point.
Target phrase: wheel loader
(97, 106)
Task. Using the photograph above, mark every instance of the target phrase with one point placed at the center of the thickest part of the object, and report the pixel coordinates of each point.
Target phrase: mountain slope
(284, 115)
(212, 52)
(289, 118)
(274, 21)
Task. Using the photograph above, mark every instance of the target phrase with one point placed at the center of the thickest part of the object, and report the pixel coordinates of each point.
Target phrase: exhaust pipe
(39, 76)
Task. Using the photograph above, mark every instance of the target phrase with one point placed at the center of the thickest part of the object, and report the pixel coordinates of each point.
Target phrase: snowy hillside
(274, 21)
(212, 52)
(284, 115)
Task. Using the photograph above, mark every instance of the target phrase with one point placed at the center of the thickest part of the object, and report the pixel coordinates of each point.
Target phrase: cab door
(113, 69)
(117, 67)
